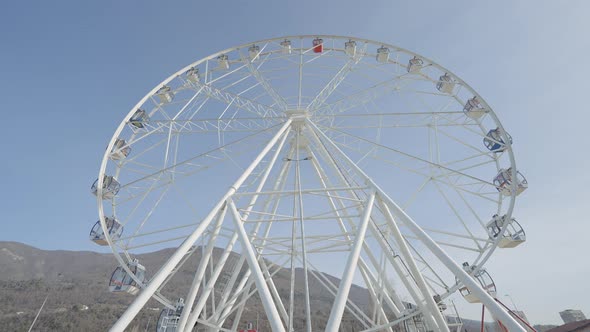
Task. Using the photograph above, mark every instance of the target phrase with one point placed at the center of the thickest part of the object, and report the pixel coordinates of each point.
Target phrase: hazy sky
(70, 71)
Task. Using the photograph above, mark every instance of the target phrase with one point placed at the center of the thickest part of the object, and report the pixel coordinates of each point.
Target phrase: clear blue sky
(70, 70)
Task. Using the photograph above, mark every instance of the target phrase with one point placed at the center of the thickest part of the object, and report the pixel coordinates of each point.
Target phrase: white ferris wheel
(281, 162)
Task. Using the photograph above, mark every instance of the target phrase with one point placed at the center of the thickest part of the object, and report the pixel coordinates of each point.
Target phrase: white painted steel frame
(267, 117)
(465, 278)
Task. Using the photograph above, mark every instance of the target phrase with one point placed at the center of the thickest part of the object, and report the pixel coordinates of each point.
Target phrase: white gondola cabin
(318, 45)
(512, 237)
(494, 141)
(415, 65)
(193, 75)
(503, 182)
(286, 46)
(382, 54)
(165, 94)
(445, 84)
(223, 62)
(97, 235)
(110, 187)
(168, 320)
(253, 52)
(139, 119)
(350, 48)
(474, 109)
(120, 150)
(483, 278)
(122, 282)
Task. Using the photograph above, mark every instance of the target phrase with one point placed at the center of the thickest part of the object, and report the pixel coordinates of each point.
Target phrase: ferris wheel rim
(121, 127)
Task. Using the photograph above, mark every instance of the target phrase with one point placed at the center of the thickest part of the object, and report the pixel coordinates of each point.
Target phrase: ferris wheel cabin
(512, 237)
(503, 182)
(223, 62)
(253, 52)
(474, 109)
(168, 320)
(120, 150)
(483, 278)
(415, 65)
(97, 234)
(445, 84)
(350, 48)
(318, 45)
(494, 141)
(122, 282)
(193, 75)
(165, 94)
(139, 118)
(286, 46)
(382, 54)
(110, 187)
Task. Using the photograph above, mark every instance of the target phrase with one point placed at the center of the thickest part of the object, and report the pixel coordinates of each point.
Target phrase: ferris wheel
(272, 166)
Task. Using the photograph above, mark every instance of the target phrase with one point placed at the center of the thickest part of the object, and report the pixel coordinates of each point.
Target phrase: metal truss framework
(259, 270)
(304, 192)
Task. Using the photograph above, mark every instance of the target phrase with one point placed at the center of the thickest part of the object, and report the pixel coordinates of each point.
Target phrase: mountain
(74, 280)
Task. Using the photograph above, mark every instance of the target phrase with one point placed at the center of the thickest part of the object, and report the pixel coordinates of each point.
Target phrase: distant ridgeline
(77, 285)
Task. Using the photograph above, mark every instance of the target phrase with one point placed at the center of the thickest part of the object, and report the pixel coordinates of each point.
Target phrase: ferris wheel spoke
(359, 98)
(451, 245)
(240, 102)
(420, 258)
(211, 80)
(158, 231)
(460, 141)
(471, 208)
(402, 120)
(456, 235)
(149, 244)
(405, 154)
(214, 125)
(333, 84)
(462, 169)
(300, 77)
(430, 177)
(279, 101)
(458, 216)
(144, 219)
(201, 155)
(492, 160)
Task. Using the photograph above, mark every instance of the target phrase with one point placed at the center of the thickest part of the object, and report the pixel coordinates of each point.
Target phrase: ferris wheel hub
(297, 115)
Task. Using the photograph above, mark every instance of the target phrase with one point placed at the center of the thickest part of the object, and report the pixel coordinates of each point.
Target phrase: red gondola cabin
(318, 45)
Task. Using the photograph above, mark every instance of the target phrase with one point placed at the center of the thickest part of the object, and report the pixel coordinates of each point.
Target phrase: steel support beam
(455, 268)
(351, 264)
(165, 270)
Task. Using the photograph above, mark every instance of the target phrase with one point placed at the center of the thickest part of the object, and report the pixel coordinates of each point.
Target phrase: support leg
(265, 296)
(344, 288)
